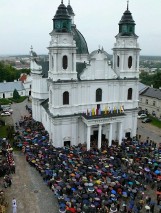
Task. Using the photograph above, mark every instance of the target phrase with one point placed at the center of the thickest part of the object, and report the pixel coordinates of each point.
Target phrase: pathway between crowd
(28, 187)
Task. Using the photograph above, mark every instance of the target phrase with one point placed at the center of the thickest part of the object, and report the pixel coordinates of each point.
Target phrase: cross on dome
(68, 2)
(127, 4)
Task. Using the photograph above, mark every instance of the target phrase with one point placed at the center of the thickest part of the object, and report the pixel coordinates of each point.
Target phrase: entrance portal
(127, 135)
(67, 143)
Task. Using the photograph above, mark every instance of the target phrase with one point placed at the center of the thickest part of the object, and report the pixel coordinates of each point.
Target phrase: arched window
(130, 62)
(129, 94)
(65, 98)
(118, 61)
(98, 95)
(65, 62)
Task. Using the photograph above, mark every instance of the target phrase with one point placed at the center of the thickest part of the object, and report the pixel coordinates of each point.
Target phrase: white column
(110, 135)
(88, 137)
(99, 136)
(120, 133)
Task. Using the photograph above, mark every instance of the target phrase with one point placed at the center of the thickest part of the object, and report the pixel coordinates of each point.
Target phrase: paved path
(148, 130)
(29, 189)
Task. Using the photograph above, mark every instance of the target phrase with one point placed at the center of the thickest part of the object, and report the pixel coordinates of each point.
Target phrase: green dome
(127, 24)
(62, 19)
(81, 43)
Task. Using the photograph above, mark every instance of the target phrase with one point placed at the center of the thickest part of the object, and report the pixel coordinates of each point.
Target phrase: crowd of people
(7, 164)
(113, 179)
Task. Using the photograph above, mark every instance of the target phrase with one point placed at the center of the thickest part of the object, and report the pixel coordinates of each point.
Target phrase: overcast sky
(28, 22)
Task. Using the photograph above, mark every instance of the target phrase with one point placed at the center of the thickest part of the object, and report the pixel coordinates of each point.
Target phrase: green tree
(8, 73)
(16, 95)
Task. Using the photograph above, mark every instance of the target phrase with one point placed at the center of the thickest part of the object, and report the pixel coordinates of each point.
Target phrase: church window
(130, 62)
(98, 95)
(129, 95)
(65, 62)
(66, 98)
(118, 61)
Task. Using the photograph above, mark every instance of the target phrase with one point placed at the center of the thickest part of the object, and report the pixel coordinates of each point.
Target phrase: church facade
(81, 96)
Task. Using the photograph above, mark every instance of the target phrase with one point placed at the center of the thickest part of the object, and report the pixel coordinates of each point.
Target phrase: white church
(79, 95)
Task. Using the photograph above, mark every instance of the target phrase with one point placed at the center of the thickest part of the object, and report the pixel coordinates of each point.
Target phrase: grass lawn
(3, 131)
(21, 99)
(155, 122)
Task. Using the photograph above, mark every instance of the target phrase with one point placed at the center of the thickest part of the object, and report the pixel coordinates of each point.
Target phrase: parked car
(143, 112)
(146, 120)
(8, 110)
(142, 116)
(5, 114)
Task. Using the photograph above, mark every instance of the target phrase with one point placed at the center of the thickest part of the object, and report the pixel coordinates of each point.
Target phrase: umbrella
(130, 183)
(90, 184)
(62, 205)
(124, 194)
(58, 187)
(67, 199)
(147, 207)
(85, 196)
(113, 192)
(85, 201)
(157, 172)
(147, 169)
(99, 191)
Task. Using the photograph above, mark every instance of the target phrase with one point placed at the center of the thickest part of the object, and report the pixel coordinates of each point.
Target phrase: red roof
(23, 77)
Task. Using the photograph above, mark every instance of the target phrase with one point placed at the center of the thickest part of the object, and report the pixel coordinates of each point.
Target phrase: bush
(21, 99)
(155, 121)
(16, 95)
(5, 101)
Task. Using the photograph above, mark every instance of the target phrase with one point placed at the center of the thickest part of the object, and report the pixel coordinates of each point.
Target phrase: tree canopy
(16, 95)
(9, 73)
(153, 79)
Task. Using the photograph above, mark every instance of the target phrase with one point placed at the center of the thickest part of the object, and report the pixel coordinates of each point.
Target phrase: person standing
(14, 205)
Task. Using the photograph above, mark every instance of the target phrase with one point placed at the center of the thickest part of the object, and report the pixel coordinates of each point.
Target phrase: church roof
(11, 86)
(62, 12)
(45, 68)
(127, 18)
(152, 93)
(70, 10)
(80, 67)
(97, 51)
(81, 43)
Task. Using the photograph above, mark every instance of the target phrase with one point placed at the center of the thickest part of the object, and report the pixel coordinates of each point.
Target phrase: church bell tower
(126, 49)
(62, 48)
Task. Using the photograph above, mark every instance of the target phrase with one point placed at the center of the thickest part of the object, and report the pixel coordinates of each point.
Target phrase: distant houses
(150, 99)
(23, 86)
(7, 88)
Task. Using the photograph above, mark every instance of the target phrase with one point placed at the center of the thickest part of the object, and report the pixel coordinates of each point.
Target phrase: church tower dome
(62, 19)
(127, 24)
(81, 43)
